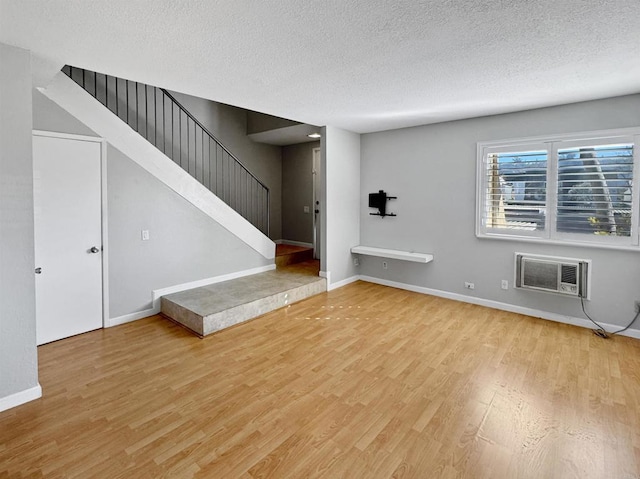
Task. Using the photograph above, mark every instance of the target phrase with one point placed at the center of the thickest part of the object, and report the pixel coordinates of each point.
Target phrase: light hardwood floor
(362, 382)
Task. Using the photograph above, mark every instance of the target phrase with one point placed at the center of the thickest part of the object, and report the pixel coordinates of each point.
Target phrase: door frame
(317, 193)
(103, 209)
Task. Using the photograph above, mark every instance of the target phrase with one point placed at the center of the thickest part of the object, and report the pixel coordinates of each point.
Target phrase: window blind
(595, 190)
(515, 196)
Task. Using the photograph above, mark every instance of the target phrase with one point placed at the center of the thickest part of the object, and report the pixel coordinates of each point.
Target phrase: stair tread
(293, 257)
(285, 249)
(215, 298)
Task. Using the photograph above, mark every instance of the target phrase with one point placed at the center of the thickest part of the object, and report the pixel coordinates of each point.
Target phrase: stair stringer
(68, 95)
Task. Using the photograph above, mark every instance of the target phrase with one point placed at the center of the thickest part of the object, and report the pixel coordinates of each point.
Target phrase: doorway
(68, 232)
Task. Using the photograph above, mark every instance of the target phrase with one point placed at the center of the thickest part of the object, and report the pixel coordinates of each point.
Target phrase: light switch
(145, 235)
(306, 209)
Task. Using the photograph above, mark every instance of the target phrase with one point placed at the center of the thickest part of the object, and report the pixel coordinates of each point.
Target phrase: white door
(317, 195)
(68, 245)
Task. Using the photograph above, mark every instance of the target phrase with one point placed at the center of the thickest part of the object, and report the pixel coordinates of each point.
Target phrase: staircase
(159, 118)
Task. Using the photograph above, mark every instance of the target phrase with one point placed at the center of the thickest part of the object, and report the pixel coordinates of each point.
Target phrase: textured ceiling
(362, 65)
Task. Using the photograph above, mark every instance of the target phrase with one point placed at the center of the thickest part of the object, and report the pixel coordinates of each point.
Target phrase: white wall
(48, 116)
(341, 228)
(432, 170)
(18, 353)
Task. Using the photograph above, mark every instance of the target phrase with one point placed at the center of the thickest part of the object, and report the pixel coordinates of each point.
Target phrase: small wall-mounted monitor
(379, 200)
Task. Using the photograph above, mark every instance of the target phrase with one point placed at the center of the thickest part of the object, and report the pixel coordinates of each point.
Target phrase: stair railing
(156, 115)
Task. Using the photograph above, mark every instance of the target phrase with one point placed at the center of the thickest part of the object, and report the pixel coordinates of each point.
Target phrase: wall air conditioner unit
(567, 276)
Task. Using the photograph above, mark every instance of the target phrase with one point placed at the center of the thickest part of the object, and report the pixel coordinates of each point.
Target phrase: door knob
(38, 270)
(94, 250)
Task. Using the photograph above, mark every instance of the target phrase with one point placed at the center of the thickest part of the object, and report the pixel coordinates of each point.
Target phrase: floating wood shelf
(393, 254)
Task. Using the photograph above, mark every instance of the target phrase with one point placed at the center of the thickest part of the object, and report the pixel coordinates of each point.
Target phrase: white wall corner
(344, 282)
(21, 397)
(341, 157)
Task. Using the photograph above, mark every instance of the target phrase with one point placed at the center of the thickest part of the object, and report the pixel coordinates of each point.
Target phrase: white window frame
(552, 144)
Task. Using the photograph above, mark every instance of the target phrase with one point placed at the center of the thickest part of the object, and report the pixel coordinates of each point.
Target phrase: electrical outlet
(356, 261)
(145, 235)
(469, 285)
(505, 284)
(384, 265)
(637, 303)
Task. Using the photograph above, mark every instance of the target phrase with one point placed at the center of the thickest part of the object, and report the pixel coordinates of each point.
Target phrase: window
(574, 189)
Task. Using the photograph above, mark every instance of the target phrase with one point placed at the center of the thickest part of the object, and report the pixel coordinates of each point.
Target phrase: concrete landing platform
(218, 306)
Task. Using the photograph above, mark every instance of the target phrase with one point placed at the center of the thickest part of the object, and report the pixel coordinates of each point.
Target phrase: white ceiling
(288, 135)
(362, 65)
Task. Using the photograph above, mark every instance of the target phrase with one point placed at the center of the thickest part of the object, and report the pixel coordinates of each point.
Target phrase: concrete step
(218, 306)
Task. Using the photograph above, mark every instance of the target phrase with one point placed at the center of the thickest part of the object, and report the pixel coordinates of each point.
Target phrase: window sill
(568, 244)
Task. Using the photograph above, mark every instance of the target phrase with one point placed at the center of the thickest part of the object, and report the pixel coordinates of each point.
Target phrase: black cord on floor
(600, 331)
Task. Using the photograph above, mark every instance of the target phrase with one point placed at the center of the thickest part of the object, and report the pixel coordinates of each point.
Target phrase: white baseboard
(158, 293)
(127, 318)
(21, 397)
(560, 318)
(340, 284)
(293, 243)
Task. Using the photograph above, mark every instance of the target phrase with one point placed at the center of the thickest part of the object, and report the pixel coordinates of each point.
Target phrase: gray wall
(259, 122)
(297, 191)
(229, 125)
(185, 245)
(341, 161)
(432, 170)
(18, 353)
(48, 116)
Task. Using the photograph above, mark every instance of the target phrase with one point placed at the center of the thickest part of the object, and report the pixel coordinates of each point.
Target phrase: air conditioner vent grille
(539, 274)
(569, 273)
(567, 276)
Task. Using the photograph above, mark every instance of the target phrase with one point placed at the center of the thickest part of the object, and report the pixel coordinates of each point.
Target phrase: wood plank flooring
(361, 382)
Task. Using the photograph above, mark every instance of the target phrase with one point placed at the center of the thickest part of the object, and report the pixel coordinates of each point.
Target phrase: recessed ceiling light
(314, 135)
